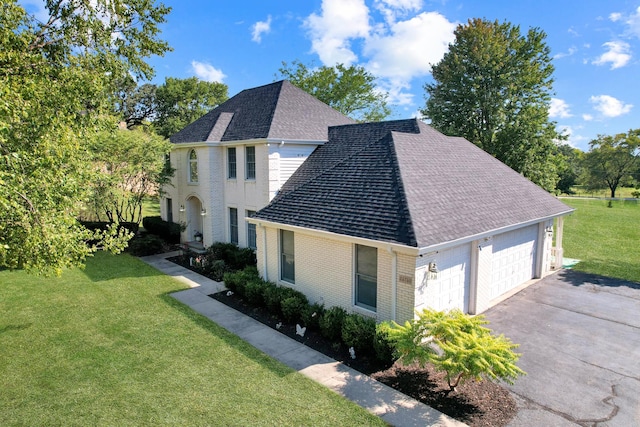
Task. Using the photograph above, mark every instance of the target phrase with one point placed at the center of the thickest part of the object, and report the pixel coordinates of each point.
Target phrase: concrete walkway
(393, 407)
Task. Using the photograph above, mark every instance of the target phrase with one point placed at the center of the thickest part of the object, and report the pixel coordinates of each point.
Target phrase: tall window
(233, 225)
(251, 231)
(366, 277)
(231, 163)
(169, 210)
(193, 166)
(250, 157)
(287, 258)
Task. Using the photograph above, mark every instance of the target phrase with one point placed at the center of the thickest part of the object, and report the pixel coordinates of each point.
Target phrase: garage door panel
(452, 282)
(513, 262)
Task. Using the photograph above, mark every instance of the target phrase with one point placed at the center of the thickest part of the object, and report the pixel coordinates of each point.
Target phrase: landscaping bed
(475, 403)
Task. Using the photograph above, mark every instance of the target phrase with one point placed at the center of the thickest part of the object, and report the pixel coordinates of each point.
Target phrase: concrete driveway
(579, 336)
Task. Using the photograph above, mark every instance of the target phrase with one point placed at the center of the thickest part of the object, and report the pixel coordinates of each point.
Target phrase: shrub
(292, 304)
(233, 256)
(254, 291)
(383, 345)
(331, 323)
(146, 245)
(457, 344)
(272, 295)
(215, 269)
(168, 231)
(311, 316)
(358, 332)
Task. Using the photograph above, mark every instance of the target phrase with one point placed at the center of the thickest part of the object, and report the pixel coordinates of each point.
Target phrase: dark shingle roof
(404, 182)
(277, 110)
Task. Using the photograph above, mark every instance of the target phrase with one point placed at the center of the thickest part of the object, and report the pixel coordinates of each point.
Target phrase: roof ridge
(406, 224)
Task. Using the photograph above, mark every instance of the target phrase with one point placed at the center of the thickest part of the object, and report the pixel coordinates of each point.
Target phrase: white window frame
(193, 166)
(251, 232)
(286, 257)
(362, 278)
(232, 172)
(250, 166)
(233, 225)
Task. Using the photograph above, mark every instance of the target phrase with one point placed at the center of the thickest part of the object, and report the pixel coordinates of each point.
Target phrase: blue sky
(595, 46)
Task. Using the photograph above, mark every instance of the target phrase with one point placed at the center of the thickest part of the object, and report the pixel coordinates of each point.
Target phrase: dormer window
(193, 167)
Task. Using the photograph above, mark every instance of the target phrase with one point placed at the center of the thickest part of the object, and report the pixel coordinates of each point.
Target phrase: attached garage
(513, 260)
(449, 288)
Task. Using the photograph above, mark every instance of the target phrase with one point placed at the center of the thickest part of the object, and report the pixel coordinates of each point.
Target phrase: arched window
(193, 166)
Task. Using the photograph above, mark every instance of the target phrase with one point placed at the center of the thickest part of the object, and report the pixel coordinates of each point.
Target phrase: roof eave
(395, 247)
(489, 233)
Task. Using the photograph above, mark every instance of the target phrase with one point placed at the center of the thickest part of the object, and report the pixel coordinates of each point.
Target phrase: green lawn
(606, 240)
(108, 346)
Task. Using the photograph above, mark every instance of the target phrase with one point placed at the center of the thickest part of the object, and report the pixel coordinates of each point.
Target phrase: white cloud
(609, 106)
(207, 72)
(410, 47)
(332, 31)
(587, 117)
(633, 23)
(615, 16)
(393, 9)
(260, 28)
(559, 108)
(570, 52)
(618, 54)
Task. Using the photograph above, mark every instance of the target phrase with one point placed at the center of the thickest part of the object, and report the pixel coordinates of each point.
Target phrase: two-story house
(232, 161)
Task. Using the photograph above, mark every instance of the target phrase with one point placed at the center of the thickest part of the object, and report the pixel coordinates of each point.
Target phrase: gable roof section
(404, 182)
(274, 111)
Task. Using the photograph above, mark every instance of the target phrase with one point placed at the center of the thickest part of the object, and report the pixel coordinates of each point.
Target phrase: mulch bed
(475, 403)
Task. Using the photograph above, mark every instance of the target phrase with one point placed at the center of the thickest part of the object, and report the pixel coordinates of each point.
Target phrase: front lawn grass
(108, 346)
(605, 239)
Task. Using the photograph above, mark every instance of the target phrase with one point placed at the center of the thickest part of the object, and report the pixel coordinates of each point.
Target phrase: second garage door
(513, 263)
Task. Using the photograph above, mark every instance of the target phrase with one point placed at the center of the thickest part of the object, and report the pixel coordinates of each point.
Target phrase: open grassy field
(108, 346)
(607, 240)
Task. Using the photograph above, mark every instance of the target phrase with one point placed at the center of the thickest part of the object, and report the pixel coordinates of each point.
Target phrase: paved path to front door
(579, 336)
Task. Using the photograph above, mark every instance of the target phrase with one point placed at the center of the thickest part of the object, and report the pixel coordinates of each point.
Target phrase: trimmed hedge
(167, 231)
(359, 332)
(353, 330)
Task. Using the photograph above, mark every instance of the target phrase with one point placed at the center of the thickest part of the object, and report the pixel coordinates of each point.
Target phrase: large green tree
(569, 168)
(57, 83)
(350, 90)
(129, 165)
(493, 87)
(611, 159)
(182, 101)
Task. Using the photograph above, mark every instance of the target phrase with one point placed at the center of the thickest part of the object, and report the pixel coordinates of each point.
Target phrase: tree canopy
(493, 87)
(57, 83)
(350, 90)
(611, 159)
(182, 101)
(170, 106)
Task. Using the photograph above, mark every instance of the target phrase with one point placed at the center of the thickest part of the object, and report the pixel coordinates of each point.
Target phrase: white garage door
(514, 255)
(452, 283)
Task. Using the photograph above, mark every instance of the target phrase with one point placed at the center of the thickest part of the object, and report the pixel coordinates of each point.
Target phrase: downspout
(394, 283)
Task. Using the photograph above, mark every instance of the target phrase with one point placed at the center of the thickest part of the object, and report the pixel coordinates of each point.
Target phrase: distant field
(150, 206)
(606, 240)
(621, 192)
